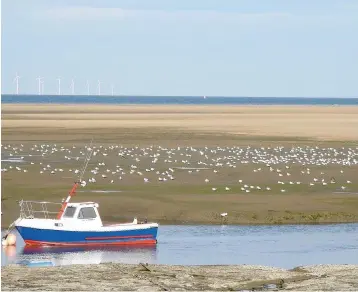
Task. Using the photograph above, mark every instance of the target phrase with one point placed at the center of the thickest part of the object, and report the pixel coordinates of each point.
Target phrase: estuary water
(284, 246)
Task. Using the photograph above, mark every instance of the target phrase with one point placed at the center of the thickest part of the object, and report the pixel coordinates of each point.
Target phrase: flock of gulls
(155, 164)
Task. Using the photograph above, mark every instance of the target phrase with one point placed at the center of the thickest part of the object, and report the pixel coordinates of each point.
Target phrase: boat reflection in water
(61, 256)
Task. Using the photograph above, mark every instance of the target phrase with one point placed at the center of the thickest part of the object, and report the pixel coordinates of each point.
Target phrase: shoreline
(107, 276)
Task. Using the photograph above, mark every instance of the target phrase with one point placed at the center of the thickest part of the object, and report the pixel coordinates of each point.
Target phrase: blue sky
(182, 47)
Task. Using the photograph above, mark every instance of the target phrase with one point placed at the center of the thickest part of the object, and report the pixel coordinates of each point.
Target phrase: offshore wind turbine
(99, 87)
(88, 88)
(112, 87)
(16, 79)
(73, 86)
(59, 85)
(39, 79)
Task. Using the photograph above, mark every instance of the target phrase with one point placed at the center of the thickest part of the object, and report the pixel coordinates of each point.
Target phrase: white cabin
(86, 212)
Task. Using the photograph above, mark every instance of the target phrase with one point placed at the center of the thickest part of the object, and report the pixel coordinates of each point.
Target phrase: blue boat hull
(47, 237)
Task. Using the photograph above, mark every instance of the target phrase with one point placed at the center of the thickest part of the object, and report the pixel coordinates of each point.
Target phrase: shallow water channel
(285, 246)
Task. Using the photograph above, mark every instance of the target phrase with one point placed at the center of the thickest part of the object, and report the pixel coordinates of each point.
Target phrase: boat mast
(76, 184)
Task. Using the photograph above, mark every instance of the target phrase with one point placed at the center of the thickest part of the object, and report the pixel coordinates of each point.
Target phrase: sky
(296, 48)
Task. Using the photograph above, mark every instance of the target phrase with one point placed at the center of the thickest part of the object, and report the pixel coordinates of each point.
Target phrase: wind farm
(88, 87)
(99, 87)
(16, 79)
(55, 86)
(73, 86)
(59, 85)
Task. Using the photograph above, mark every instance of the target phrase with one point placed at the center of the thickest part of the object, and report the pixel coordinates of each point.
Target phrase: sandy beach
(222, 132)
(337, 123)
(106, 277)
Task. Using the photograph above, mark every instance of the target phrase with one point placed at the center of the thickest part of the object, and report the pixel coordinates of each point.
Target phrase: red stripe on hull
(119, 237)
(136, 242)
(45, 249)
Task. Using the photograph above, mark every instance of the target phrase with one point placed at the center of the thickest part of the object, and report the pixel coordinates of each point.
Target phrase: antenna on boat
(73, 190)
(87, 159)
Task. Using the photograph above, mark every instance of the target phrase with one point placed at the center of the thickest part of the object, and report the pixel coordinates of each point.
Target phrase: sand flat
(312, 122)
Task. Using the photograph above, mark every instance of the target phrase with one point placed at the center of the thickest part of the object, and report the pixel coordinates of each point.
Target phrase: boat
(77, 224)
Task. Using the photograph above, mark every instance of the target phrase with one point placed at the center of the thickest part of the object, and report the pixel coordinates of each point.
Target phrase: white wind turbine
(99, 87)
(88, 88)
(112, 86)
(16, 79)
(73, 86)
(59, 85)
(39, 79)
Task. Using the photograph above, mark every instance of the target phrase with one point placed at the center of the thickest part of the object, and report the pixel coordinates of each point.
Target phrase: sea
(178, 100)
(284, 246)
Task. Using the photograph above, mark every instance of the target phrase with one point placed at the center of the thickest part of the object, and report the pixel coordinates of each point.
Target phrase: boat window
(87, 213)
(70, 211)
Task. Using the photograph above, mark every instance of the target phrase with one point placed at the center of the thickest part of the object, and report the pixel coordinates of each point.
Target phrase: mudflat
(260, 164)
(122, 277)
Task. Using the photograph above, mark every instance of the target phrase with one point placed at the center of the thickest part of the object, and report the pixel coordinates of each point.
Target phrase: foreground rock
(105, 277)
